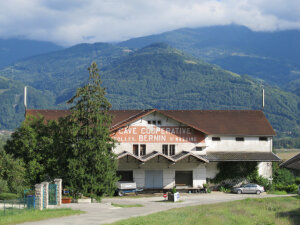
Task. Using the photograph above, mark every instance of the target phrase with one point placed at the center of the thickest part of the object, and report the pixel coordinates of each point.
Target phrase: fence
(15, 206)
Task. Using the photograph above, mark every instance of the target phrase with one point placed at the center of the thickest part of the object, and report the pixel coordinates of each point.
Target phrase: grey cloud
(73, 21)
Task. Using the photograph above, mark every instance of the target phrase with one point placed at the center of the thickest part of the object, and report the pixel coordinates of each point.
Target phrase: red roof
(217, 122)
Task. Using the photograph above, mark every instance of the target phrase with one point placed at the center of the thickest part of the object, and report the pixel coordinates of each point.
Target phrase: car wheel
(120, 193)
(239, 192)
(258, 192)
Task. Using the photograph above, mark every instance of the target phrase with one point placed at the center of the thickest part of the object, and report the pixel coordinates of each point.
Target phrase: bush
(297, 180)
(174, 190)
(292, 188)
(283, 176)
(263, 182)
(8, 196)
(224, 189)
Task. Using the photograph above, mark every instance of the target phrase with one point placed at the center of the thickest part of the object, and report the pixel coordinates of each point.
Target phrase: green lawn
(35, 215)
(281, 210)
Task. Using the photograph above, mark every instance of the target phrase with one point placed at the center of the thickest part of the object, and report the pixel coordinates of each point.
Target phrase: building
(163, 148)
(293, 164)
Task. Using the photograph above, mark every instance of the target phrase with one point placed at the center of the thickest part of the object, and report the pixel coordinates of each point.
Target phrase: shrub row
(292, 188)
(8, 196)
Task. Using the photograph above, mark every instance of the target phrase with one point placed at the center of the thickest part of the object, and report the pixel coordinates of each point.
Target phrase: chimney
(25, 97)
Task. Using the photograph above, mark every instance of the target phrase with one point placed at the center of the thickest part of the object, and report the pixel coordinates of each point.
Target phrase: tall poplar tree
(91, 162)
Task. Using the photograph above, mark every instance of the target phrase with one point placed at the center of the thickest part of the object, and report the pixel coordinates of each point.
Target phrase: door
(184, 178)
(153, 179)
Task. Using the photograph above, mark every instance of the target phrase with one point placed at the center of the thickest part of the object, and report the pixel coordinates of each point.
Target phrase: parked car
(248, 189)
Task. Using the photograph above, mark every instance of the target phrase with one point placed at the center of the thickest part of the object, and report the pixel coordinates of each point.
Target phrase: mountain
(59, 70)
(12, 50)
(11, 98)
(271, 56)
(156, 76)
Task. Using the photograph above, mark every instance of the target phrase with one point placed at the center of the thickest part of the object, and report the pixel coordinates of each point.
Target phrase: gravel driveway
(104, 212)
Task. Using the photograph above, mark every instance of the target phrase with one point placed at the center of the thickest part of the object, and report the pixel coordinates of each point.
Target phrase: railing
(15, 206)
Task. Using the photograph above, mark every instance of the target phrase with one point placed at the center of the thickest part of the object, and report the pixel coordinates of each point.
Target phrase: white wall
(199, 171)
(227, 143)
(265, 169)
(179, 147)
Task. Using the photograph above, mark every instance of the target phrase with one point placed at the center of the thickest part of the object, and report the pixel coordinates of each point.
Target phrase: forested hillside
(157, 76)
(12, 107)
(12, 50)
(272, 56)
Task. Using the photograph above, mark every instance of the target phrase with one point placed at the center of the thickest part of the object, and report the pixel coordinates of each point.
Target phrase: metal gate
(52, 194)
(154, 179)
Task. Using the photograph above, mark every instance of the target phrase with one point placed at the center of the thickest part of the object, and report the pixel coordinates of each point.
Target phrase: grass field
(282, 210)
(25, 215)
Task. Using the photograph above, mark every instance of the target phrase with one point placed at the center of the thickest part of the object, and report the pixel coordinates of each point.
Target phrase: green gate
(52, 194)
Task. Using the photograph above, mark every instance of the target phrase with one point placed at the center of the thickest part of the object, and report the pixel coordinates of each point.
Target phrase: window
(165, 149)
(184, 178)
(135, 150)
(154, 122)
(263, 138)
(240, 139)
(199, 148)
(142, 150)
(216, 138)
(125, 175)
(172, 150)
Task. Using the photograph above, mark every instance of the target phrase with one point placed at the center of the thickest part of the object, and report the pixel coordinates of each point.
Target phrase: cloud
(70, 22)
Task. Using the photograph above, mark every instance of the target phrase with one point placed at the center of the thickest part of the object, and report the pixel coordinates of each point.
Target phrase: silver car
(248, 189)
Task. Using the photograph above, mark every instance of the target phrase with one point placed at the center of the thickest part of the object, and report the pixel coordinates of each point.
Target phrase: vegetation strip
(25, 215)
(126, 206)
(282, 210)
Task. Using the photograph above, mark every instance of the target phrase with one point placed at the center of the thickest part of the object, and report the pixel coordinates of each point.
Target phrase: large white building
(160, 149)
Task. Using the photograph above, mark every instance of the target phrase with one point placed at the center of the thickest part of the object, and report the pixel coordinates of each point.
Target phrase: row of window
(154, 122)
(140, 150)
(240, 138)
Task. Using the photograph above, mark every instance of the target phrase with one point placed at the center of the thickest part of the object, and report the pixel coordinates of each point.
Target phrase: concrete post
(58, 182)
(39, 196)
(46, 193)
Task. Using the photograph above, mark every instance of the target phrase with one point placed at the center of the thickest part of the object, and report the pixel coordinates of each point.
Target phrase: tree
(12, 174)
(32, 143)
(91, 163)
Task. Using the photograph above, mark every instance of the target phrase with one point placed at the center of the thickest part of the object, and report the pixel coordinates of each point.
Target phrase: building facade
(160, 149)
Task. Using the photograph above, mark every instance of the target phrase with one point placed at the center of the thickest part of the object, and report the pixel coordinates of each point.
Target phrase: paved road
(104, 212)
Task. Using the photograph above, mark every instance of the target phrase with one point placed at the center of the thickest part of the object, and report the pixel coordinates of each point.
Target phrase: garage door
(153, 179)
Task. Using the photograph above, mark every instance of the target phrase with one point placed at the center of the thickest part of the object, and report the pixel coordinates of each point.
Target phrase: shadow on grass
(293, 216)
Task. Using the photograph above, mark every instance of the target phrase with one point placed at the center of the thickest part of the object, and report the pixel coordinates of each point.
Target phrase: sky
(69, 22)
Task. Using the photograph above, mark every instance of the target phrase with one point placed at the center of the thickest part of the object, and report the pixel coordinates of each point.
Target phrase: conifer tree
(91, 162)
